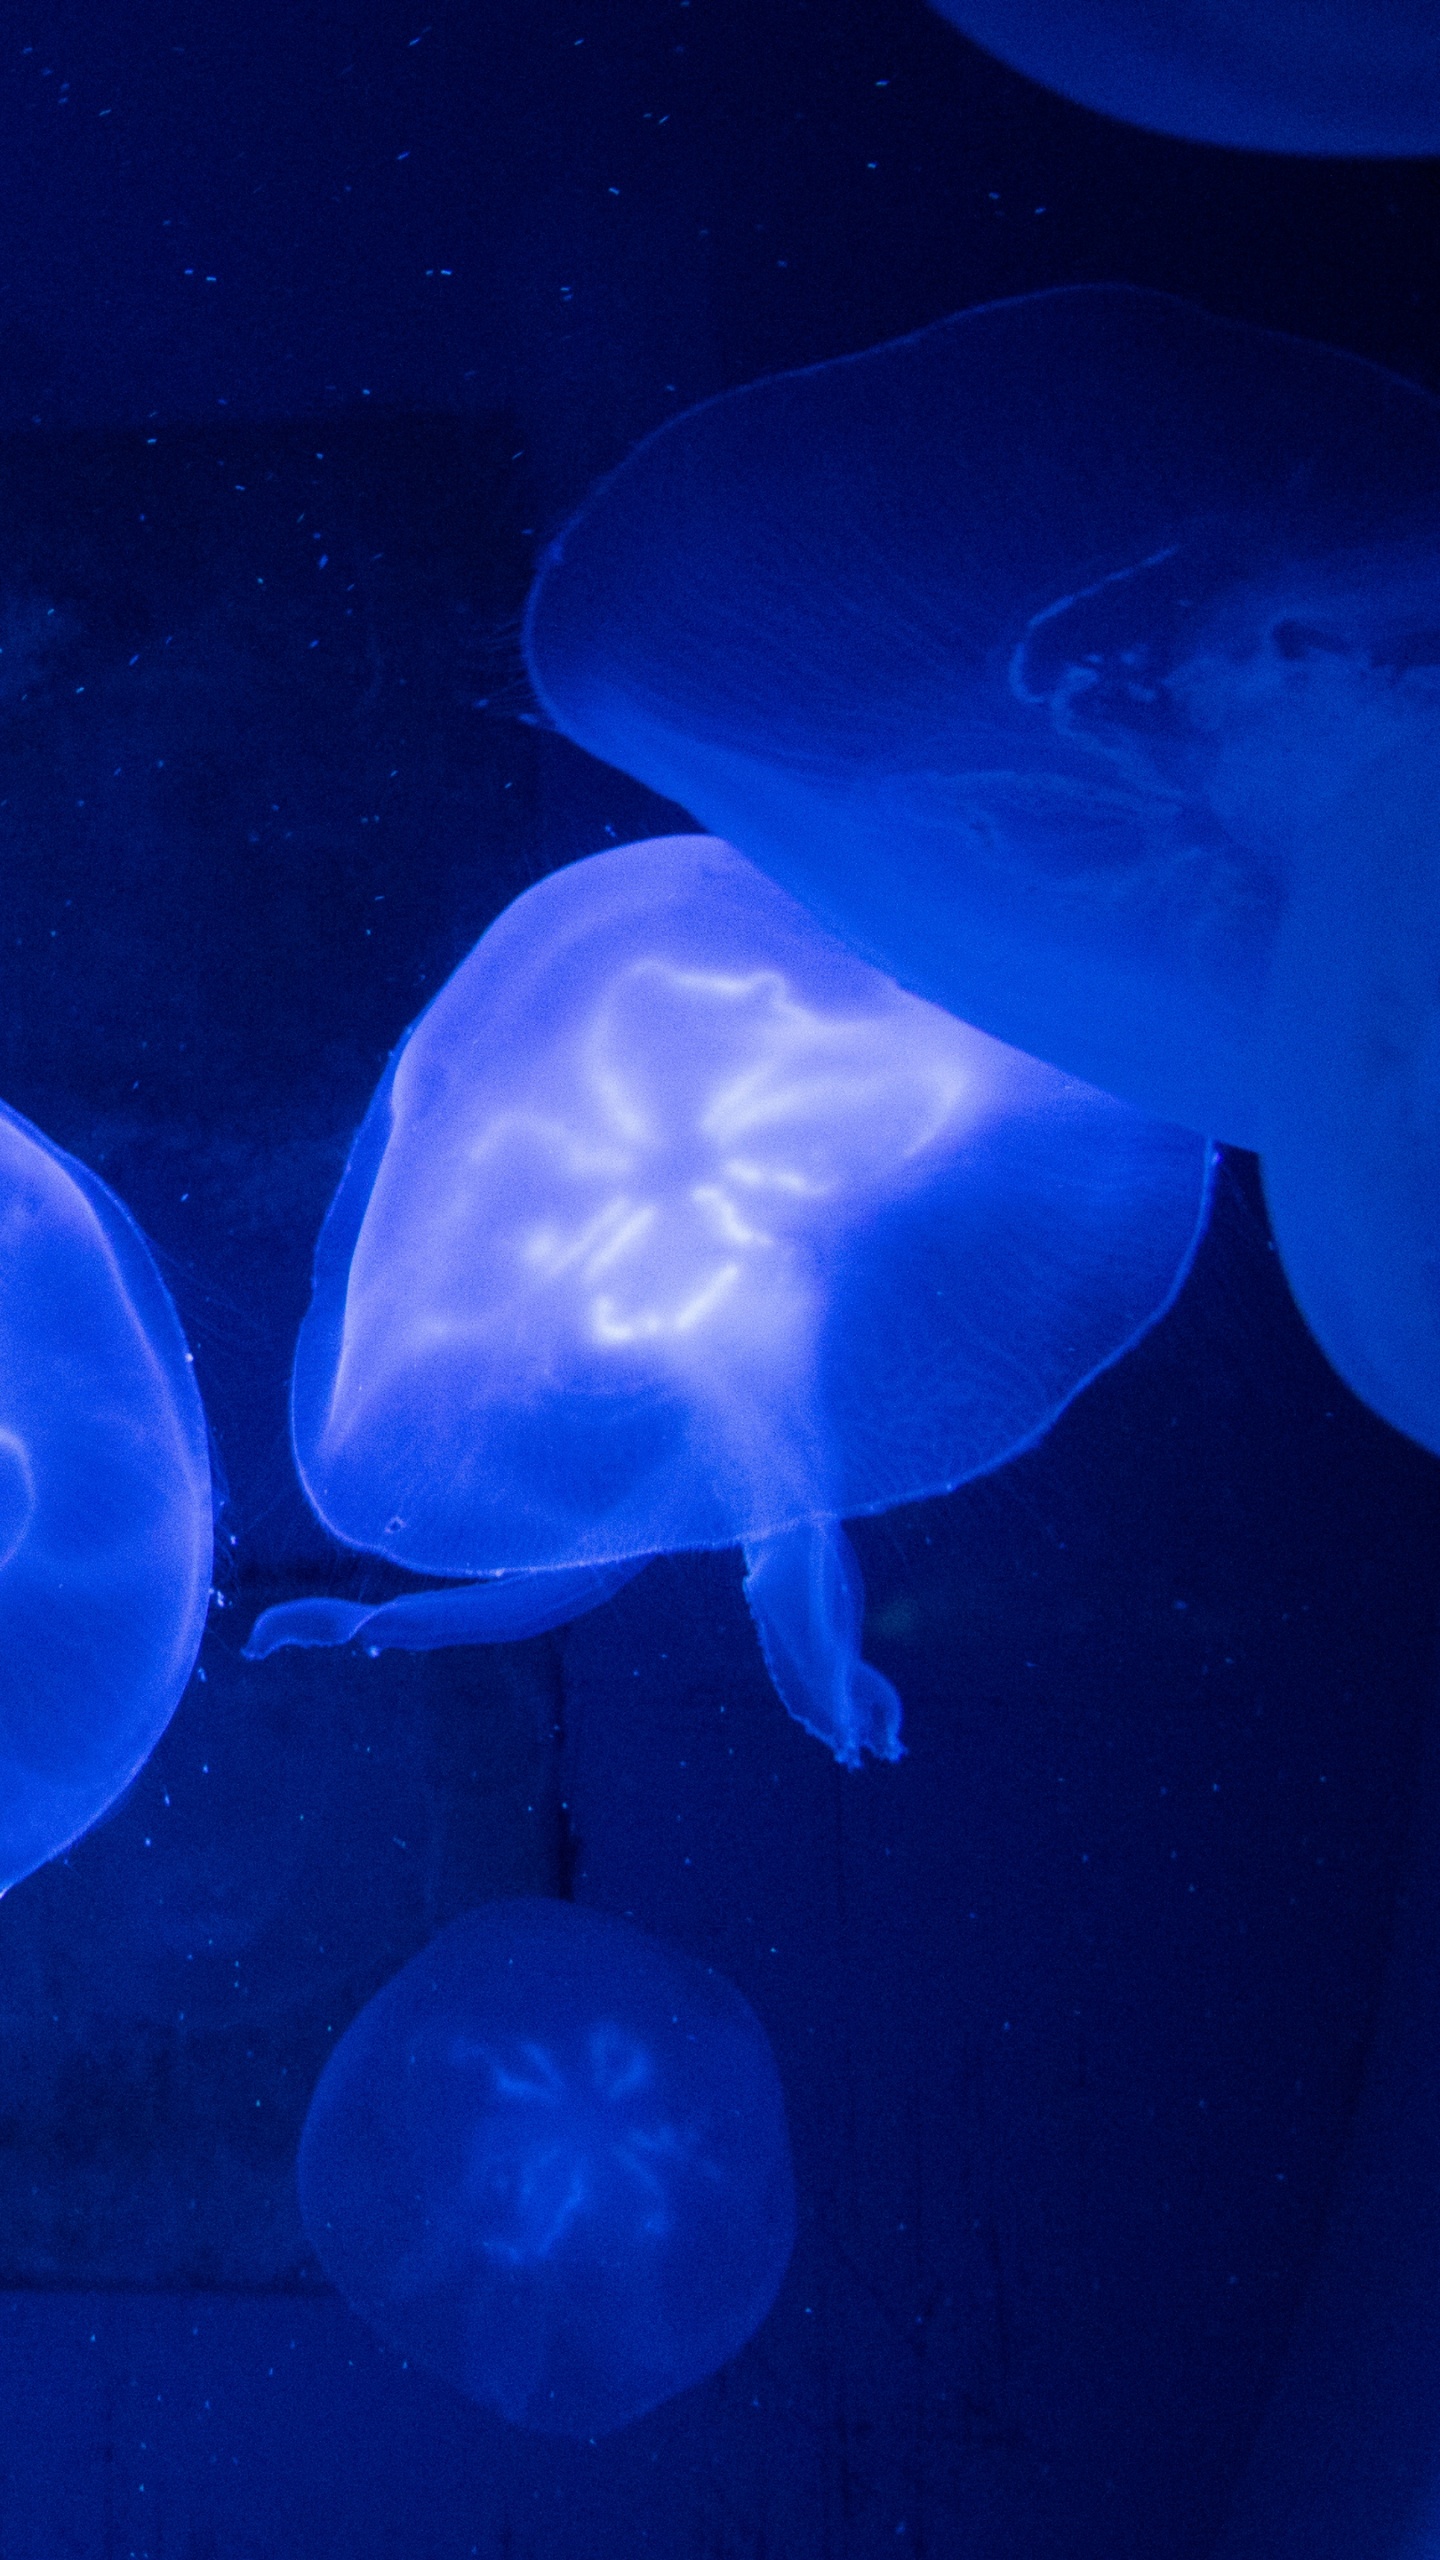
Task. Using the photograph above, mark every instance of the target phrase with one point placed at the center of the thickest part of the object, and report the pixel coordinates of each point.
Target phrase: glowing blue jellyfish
(549, 2161)
(1078, 660)
(1352, 1143)
(105, 1513)
(674, 1225)
(1344, 76)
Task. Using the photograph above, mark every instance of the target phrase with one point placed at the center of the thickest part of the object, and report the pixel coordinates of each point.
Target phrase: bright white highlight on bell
(686, 1145)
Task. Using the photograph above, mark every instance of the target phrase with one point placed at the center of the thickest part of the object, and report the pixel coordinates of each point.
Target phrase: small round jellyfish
(1349, 77)
(550, 2162)
(675, 1225)
(105, 1507)
(1051, 656)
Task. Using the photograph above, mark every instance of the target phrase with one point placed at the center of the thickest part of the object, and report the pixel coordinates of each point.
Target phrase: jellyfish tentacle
(807, 1598)
(499, 1612)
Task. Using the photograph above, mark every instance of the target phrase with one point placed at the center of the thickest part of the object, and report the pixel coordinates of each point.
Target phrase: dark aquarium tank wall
(719, 1337)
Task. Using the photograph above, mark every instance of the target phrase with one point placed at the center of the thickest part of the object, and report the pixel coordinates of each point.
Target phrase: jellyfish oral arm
(500, 1612)
(807, 1599)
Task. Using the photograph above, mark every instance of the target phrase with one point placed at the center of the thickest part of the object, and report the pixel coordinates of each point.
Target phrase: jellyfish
(549, 2161)
(675, 1225)
(1352, 1148)
(1350, 77)
(1078, 661)
(105, 1509)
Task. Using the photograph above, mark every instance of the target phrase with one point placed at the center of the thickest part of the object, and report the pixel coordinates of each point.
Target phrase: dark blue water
(1106, 2019)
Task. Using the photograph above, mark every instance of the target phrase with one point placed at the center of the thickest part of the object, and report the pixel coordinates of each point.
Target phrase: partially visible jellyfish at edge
(1078, 661)
(549, 2162)
(1353, 78)
(674, 1225)
(105, 1501)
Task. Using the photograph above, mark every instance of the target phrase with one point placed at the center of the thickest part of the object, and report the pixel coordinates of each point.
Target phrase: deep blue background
(1072, 2008)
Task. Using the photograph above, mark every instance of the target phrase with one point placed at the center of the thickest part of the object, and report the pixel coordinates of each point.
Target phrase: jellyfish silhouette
(1338, 76)
(674, 1225)
(1071, 659)
(105, 1512)
(549, 2161)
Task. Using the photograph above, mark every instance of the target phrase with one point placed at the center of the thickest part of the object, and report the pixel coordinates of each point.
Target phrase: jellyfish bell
(663, 1174)
(1071, 659)
(1352, 1146)
(673, 1224)
(1027, 651)
(105, 1507)
(549, 2160)
(1344, 77)
(624, 1151)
